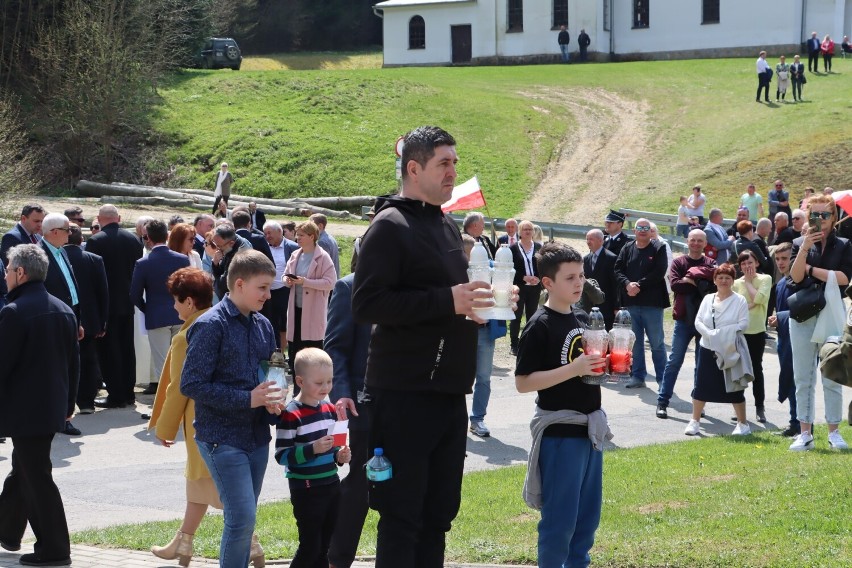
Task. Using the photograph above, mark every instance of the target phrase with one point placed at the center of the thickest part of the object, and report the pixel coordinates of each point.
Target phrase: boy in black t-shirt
(565, 466)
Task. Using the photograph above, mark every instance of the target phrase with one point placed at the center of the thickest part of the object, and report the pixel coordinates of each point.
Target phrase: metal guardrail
(567, 231)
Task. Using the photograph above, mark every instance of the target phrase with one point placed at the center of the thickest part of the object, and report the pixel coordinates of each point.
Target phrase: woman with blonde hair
(181, 239)
(310, 275)
(192, 290)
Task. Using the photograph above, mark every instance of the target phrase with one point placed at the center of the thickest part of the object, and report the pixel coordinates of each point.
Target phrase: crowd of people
(397, 342)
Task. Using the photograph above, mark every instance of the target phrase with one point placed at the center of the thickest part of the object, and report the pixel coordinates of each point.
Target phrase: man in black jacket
(564, 39)
(583, 40)
(120, 250)
(94, 313)
(411, 282)
(640, 270)
(37, 391)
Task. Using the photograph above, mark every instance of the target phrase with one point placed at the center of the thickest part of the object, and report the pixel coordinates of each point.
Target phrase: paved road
(117, 473)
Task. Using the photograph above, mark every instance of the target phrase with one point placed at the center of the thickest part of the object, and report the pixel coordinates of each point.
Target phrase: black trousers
(30, 495)
(315, 510)
(813, 59)
(418, 504)
(797, 90)
(275, 310)
(90, 372)
(763, 81)
(353, 502)
(756, 345)
(826, 62)
(217, 200)
(118, 358)
(298, 343)
(527, 304)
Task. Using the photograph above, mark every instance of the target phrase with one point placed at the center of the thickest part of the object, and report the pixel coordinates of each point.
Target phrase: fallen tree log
(301, 210)
(350, 202)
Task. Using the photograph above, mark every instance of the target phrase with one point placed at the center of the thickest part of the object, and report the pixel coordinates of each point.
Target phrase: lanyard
(528, 258)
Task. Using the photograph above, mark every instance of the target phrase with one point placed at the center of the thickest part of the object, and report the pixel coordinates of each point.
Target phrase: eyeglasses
(824, 215)
(643, 229)
(779, 185)
(66, 229)
(78, 220)
(96, 227)
(798, 218)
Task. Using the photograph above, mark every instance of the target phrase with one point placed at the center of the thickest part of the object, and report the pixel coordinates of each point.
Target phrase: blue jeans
(571, 480)
(484, 366)
(648, 319)
(238, 476)
(565, 53)
(684, 332)
(682, 230)
(805, 354)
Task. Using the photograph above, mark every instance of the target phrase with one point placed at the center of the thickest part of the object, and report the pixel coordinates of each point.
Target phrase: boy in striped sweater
(305, 447)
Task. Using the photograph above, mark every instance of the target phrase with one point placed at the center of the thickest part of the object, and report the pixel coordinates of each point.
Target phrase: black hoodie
(411, 257)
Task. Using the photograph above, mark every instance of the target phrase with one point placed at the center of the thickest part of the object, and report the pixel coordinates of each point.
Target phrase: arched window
(416, 33)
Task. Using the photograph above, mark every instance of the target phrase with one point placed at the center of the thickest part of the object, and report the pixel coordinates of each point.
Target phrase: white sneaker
(692, 428)
(804, 442)
(741, 430)
(836, 441)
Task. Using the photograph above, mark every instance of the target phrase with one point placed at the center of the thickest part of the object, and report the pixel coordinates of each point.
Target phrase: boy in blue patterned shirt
(305, 446)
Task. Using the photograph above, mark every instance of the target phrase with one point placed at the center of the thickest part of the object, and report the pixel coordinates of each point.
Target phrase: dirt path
(594, 159)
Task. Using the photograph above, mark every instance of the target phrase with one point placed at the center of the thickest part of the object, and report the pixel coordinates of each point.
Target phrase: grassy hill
(331, 132)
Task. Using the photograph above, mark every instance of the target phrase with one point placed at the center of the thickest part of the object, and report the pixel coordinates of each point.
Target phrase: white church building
(487, 32)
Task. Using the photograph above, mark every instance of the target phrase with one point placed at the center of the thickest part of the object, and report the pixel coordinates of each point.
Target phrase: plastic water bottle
(379, 468)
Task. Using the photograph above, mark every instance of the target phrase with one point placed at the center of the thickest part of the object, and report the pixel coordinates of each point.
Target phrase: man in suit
(258, 217)
(149, 293)
(38, 385)
(813, 53)
(347, 343)
(326, 241)
(717, 237)
(119, 250)
(599, 265)
(615, 238)
(474, 225)
(281, 250)
(26, 231)
(511, 236)
(60, 280)
(94, 312)
(243, 227)
(203, 224)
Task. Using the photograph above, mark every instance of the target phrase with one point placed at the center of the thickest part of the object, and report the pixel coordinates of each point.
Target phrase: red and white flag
(465, 196)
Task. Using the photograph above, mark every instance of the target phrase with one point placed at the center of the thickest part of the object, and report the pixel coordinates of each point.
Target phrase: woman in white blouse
(721, 318)
(526, 279)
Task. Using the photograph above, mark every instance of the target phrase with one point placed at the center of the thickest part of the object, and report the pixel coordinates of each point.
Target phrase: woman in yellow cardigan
(192, 290)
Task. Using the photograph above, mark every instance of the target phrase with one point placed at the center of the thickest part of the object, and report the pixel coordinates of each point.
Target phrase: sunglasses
(824, 215)
(643, 229)
(78, 220)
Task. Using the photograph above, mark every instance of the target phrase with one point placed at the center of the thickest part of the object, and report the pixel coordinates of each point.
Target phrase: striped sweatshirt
(300, 425)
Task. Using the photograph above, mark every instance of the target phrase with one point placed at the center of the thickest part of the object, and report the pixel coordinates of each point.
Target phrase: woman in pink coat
(827, 48)
(310, 276)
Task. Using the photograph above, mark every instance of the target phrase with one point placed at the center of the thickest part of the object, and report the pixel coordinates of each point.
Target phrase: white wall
(438, 19)
(828, 17)
(676, 25)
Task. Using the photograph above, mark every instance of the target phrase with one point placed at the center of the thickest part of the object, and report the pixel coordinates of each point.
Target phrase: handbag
(807, 301)
(782, 75)
(803, 79)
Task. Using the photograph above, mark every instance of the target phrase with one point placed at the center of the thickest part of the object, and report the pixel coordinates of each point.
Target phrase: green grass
(724, 501)
(317, 60)
(310, 133)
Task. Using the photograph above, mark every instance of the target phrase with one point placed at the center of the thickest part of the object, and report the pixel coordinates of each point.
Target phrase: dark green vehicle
(218, 53)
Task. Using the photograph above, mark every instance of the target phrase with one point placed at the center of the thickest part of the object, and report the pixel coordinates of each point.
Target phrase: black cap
(614, 216)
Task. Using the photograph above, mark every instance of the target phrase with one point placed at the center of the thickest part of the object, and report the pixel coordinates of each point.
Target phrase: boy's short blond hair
(468, 243)
(247, 264)
(308, 358)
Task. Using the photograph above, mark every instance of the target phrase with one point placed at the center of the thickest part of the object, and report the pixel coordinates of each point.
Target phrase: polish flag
(465, 196)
